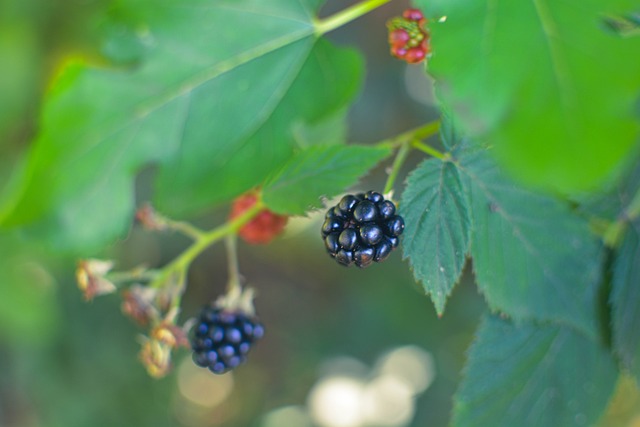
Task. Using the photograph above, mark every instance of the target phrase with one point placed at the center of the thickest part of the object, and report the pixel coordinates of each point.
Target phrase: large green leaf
(218, 90)
(625, 301)
(436, 213)
(533, 258)
(528, 375)
(318, 171)
(542, 81)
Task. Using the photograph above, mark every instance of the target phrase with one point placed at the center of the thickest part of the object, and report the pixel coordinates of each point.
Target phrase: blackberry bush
(362, 229)
(223, 338)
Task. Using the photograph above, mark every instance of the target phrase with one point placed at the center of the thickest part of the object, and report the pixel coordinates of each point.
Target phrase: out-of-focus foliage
(214, 99)
(544, 82)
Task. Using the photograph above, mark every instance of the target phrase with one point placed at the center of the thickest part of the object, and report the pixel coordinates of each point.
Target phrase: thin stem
(422, 132)
(430, 150)
(182, 262)
(427, 130)
(184, 228)
(138, 274)
(347, 15)
(232, 263)
(401, 156)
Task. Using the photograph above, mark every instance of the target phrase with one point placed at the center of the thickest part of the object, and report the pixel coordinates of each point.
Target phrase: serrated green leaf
(213, 101)
(435, 209)
(542, 81)
(533, 258)
(625, 301)
(318, 171)
(530, 375)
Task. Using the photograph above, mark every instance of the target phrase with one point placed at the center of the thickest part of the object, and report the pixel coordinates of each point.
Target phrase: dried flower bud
(150, 219)
(156, 357)
(170, 334)
(138, 303)
(90, 276)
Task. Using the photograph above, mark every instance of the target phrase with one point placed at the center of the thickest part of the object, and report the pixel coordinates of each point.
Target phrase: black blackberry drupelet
(362, 229)
(223, 338)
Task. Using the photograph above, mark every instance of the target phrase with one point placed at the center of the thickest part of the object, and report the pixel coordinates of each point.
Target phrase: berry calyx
(362, 229)
(223, 337)
(409, 40)
(264, 227)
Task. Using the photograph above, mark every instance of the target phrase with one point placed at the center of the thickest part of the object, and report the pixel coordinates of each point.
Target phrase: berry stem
(232, 263)
(138, 274)
(184, 228)
(182, 262)
(403, 152)
(419, 133)
(323, 26)
(406, 141)
(419, 145)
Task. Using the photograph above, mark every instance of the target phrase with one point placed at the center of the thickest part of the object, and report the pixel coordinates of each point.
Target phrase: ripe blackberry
(362, 229)
(223, 338)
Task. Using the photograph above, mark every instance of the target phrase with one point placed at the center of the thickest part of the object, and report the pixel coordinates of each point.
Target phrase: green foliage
(625, 298)
(435, 208)
(529, 375)
(533, 257)
(529, 250)
(316, 172)
(529, 78)
(213, 105)
(28, 307)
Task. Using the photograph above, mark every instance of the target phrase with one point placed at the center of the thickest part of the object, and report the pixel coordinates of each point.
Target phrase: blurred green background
(344, 348)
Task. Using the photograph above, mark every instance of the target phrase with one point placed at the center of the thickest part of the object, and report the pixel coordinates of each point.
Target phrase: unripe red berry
(398, 38)
(426, 46)
(408, 38)
(413, 15)
(414, 55)
(398, 52)
(264, 227)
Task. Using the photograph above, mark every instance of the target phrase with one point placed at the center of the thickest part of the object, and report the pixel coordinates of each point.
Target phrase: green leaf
(237, 162)
(542, 81)
(28, 307)
(437, 218)
(625, 301)
(530, 375)
(330, 131)
(318, 171)
(533, 258)
(214, 100)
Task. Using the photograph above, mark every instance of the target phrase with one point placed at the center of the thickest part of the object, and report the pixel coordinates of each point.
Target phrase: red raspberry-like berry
(413, 15)
(264, 227)
(415, 55)
(408, 37)
(398, 38)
